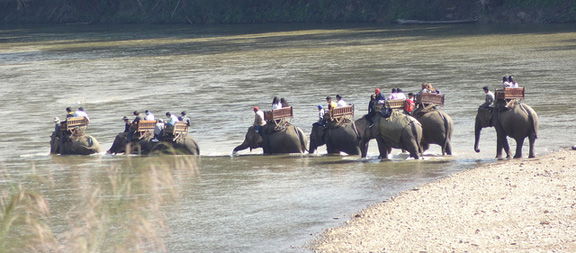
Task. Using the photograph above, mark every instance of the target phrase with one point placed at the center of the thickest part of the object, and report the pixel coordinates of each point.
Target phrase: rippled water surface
(251, 202)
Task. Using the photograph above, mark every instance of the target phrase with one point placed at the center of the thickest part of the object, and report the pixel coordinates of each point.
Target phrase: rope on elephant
(78, 131)
(274, 126)
(338, 122)
(423, 110)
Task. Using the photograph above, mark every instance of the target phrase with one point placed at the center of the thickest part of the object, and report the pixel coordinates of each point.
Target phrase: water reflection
(217, 74)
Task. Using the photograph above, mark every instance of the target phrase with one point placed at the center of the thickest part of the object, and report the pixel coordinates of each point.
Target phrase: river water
(250, 202)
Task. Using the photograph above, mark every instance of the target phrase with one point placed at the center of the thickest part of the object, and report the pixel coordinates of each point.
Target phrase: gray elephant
(396, 131)
(146, 145)
(437, 128)
(515, 120)
(338, 138)
(184, 145)
(288, 139)
(77, 143)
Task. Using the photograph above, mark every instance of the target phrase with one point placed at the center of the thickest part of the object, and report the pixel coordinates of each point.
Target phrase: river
(250, 202)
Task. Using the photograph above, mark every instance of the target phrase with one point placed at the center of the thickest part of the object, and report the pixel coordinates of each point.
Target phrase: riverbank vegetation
(283, 11)
(120, 209)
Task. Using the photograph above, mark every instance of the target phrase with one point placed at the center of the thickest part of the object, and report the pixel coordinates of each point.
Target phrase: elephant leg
(363, 148)
(425, 146)
(500, 142)
(531, 140)
(519, 144)
(383, 148)
(506, 147)
(447, 149)
(330, 146)
(412, 148)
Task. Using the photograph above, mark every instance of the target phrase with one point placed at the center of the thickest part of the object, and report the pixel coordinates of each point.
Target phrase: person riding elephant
(289, 139)
(437, 128)
(396, 131)
(340, 138)
(77, 143)
(512, 119)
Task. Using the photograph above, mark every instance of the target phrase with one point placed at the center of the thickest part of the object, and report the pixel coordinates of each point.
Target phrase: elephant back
(391, 128)
(83, 145)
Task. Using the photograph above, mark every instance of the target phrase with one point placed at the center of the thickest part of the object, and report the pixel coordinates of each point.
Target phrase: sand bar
(512, 205)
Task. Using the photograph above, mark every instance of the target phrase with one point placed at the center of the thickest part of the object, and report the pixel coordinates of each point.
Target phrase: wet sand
(512, 205)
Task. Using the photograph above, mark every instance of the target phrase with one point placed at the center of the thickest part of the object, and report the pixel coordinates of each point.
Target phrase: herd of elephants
(414, 133)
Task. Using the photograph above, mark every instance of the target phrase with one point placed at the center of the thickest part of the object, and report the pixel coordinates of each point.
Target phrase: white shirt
(149, 116)
(173, 120)
(321, 113)
(276, 106)
(81, 114)
(158, 127)
(341, 103)
(506, 85)
(400, 95)
(259, 118)
(514, 85)
(393, 96)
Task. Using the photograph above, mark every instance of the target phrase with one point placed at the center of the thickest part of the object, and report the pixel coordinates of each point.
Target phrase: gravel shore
(512, 205)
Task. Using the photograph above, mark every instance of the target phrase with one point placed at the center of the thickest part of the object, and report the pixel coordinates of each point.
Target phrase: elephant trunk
(313, 146)
(242, 146)
(477, 130)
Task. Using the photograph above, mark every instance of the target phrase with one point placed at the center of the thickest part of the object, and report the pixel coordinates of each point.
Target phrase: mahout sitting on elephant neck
(517, 121)
(397, 131)
(339, 137)
(73, 142)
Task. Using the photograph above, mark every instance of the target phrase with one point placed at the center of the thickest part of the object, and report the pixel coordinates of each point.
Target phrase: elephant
(77, 143)
(437, 128)
(146, 145)
(344, 138)
(182, 146)
(396, 131)
(289, 139)
(515, 120)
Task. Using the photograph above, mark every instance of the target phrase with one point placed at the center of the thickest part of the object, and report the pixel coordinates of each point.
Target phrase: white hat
(56, 120)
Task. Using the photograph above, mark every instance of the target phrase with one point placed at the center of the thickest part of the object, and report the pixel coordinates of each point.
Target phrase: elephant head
(367, 132)
(317, 137)
(252, 140)
(119, 144)
(143, 145)
(54, 143)
(483, 119)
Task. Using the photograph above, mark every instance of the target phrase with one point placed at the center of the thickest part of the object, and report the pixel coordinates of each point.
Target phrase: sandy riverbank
(512, 205)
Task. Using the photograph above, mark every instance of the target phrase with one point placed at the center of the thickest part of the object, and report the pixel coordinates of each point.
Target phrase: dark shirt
(372, 107)
(380, 96)
(185, 119)
(138, 118)
(127, 127)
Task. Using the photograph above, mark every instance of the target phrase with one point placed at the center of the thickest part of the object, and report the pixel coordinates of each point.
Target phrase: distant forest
(283, 11)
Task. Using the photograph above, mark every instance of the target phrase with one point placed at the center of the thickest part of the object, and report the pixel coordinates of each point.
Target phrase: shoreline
(510, 205)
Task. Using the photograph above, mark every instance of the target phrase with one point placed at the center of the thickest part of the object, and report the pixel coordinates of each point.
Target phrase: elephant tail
(449, 130)
(417, 134)
(302, 138)
(533, 120)
(358, 137)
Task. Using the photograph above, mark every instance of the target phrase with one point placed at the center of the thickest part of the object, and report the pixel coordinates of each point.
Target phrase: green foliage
(268, 11)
